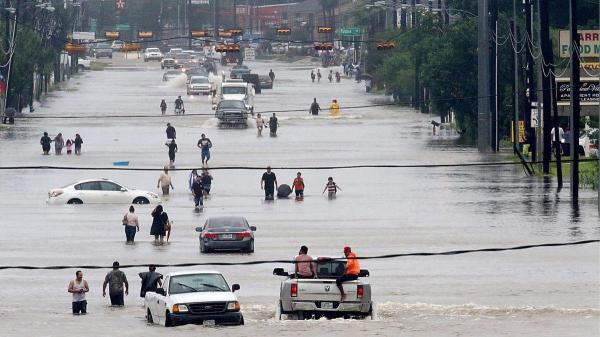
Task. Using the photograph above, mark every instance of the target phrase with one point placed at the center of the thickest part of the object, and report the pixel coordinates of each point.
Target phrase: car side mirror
(198, 229)
(253, 228)
(123, 189)
(280, 272)
(235, 287)
(161, 291)
(363, 273)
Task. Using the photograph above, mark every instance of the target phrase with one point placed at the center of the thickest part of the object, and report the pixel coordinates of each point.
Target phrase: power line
(337, 167)
(260, 262)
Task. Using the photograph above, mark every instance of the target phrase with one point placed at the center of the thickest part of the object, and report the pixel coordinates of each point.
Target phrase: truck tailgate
(325, 290)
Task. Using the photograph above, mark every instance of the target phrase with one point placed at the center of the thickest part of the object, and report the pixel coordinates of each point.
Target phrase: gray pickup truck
(232, 114)
(320, 297)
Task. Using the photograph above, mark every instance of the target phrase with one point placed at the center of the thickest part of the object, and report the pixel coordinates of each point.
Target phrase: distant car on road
(265, 82)
(199, 85)
(152, 54)
(100, 191)
(226, 233)
(102, 50)
(167, 63)
(238, 72)
(171, 74)
(199, 297)
(84, 64)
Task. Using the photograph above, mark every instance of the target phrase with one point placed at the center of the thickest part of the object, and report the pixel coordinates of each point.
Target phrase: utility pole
(547, 57)
(189, 22)
(403, 16)
(575, 108)
(531, 90)
(516, 88)
(493, 102)
(215, 23)
(483, 77)
(235, 14)
(8, 55)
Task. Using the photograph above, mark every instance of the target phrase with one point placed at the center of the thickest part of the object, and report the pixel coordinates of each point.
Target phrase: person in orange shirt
(351, 272)
(298, 186)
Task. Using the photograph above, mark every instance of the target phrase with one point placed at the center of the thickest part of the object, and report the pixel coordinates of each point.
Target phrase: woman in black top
(45, 142)
(159, 222)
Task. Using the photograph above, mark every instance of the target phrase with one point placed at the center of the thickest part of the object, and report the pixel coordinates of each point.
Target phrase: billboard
(84, 35)
(589, 91)
(589, 42)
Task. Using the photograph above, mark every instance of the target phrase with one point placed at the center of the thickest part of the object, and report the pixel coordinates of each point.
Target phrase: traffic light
(283, 31)
(145, 35)
(223, 33)
(386, 46)
(323, 46)
(74, 48)
(227, 48)
(324, 30)
(236, 32)
(131, 47)
(200, 33)
(112, 35)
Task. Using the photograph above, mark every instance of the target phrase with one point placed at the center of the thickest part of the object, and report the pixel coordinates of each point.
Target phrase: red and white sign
(120, 4)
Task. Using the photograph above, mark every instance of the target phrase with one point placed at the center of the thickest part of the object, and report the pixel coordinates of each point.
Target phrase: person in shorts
(205, 144)
(164, 181)
(206, 178)
(298, 186)
(78, 287)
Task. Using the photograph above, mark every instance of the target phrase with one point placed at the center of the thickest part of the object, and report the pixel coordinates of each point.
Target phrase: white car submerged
(197, 297)
(100, 191)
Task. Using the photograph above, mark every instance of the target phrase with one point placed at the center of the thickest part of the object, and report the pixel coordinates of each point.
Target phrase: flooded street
(536, 292)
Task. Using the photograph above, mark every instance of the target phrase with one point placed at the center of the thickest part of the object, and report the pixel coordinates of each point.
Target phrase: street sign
(84, 35)
(350, 31)
(122, 27)
(249, 54)
(589, 91)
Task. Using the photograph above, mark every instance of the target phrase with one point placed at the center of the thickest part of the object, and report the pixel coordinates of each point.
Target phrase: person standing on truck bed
(305, 266)
(351, 272)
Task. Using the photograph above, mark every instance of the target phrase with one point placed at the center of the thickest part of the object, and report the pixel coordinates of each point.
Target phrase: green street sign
(350, 31)
(122, 27)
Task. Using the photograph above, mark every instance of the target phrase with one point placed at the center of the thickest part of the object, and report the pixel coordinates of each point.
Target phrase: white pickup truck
(199, 297)
(238, 90)
(320, 297)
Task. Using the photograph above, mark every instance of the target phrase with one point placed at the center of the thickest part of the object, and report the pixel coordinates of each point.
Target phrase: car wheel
(279, 312)
(141, 201)
(242, 320)
(149, 318)
(75, 202)
(168, 319)
(301, 316)
(80, 68)
(250, 248)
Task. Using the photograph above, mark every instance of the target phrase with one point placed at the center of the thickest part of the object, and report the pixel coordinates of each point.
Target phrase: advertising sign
(589, 91)
(84, 35)
(589, 42)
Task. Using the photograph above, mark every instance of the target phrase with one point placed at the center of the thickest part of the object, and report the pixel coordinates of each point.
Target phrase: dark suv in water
(232, 113)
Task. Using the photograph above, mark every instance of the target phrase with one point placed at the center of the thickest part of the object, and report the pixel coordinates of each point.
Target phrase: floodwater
(536, 292)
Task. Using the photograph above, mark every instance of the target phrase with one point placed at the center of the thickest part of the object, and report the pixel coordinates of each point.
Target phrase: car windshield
(234, 90)
(153, 50)
(197, 80)
(226, 223)
(183, 56)
(197, 283)
(173, 72)
(330, 268)
(103, 45)
(231, 105)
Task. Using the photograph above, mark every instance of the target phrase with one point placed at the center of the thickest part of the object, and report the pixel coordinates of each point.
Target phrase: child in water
(69, 145)
(331, 187)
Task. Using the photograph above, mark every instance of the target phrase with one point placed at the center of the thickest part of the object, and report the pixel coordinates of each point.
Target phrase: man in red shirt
(298, 186)
(351, 272)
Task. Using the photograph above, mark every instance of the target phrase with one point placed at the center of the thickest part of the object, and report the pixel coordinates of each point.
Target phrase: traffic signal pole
(575, 108)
